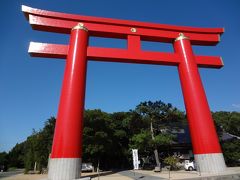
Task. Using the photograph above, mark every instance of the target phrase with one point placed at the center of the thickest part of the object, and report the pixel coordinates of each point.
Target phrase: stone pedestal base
(64, 168)
(210, 163)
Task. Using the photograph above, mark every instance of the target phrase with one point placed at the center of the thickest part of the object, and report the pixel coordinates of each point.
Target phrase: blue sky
(30, 87)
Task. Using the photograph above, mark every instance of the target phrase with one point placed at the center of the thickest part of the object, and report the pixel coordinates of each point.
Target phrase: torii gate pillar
(65, 163)
(204, 138)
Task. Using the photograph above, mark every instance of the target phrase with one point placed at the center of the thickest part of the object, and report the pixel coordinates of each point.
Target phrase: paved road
(181, 175)
(139, 176)
(222, 177)
(10, 173)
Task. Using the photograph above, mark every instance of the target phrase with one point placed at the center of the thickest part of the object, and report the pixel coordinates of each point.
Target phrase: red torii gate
(66, 153)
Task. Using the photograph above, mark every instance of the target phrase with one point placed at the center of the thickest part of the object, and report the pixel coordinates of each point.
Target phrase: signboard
(135, 159)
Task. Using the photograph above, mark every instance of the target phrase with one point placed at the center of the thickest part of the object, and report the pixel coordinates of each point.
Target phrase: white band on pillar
(64, 168)
(210, 163)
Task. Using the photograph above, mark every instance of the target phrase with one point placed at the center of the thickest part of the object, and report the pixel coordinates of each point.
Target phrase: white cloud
(236, 106)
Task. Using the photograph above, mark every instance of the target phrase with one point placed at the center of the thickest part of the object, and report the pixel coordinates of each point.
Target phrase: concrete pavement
(10, 173)
(230, 174)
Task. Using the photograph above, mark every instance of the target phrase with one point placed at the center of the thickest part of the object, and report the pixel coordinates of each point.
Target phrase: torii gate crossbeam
(65, 163)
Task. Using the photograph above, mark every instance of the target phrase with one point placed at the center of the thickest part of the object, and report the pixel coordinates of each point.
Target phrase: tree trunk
(158, 167)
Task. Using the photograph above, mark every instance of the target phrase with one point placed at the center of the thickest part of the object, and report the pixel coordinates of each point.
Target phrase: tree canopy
(109, 137)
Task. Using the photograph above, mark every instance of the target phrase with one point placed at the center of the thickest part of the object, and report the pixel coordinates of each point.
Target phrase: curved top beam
(29, 10)
(105, 27)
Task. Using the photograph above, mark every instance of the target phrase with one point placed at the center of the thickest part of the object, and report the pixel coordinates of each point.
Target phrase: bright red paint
(67, 141)
(130, 55)
(105, 27)
(113, 31)
(203, 134)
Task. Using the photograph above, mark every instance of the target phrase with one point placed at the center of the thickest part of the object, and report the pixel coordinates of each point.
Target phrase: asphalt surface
(10, 173)
(221, 177)
(140, 176)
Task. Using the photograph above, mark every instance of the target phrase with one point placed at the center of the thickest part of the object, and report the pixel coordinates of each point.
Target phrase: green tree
(38, 146)
(227, 122)
(143, 142)
(171, 161)
(97, 141)
(16, 156)
(30, 156)
(4, 159)
(158, 114)
(120, 137)
(231, 152)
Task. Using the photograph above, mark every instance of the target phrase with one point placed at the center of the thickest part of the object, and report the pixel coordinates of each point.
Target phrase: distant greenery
(4, 159)
(35, 149)
(109, 137)
(229, 122)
